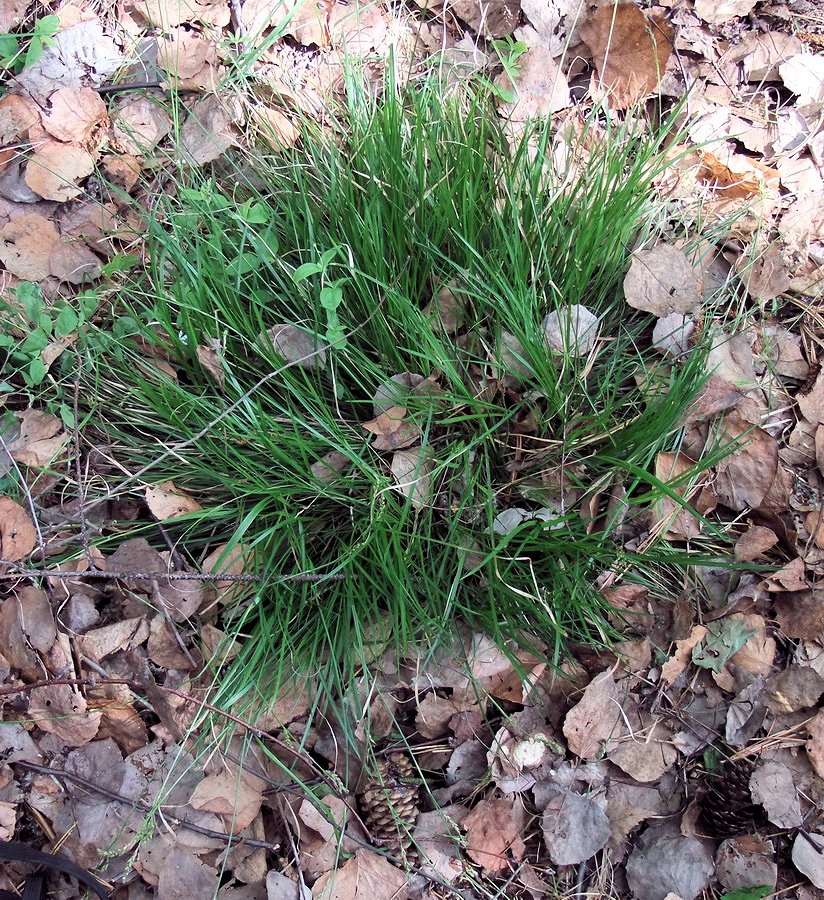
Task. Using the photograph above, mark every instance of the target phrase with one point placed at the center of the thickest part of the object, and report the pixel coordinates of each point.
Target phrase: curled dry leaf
(411, 470)
(662, 281)
(491, 18)
(61, 710)
(746, 862)
(808, 856)
(672, 334)
(76, 115)
(26, 246)
(678, 522)
(630, 50)
(139, 126)
(392, 431)
(169, 13)
(772, 786)
(226, 561)
(447, 309)
(190, 60)
(17, 115)
(55, 168)
(166, 501)
(274, 127)
(40, 440)
(232, 796)
(17, 533)
(211, 360)
(571, 329)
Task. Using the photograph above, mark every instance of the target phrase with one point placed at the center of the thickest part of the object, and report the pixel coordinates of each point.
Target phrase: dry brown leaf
(366, 876)
(751, 477)
(540, 87)
(665, 863)
(795, 688)
(804, 76)
(11, 14)
(126, 634)
(17, 115)
(746, 862)
(682, 657)
(493, 833)
(76, 115)
(772, 786)
(596, 718)
(210, 358)
(758, 653)
(800, 614)
(182, 875)
(40, 440)
(761, 53)
(121, 169)
(140, 125)
(630, 51)
(207, 132)
(679, 523)
(227, 561)
(755, 541)
(811, 404)
(54, 170)
(411, 470)
(74, 262)
(392, 431)
(26, 246)
(61, 710)
(815, 743)
(662, 281)
(718, 11)
(575, 828)
(230, 796)
(190, 60)
(169, 13)
(808, 857)
(737, 177)
(164, 646)
(18, 536)
(274, 127)
(647, 752)
(491, 18)
(166, 501)
(791, 577)
(297, 346)
(122, 723)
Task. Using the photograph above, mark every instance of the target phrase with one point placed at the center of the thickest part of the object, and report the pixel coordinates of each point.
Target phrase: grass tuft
(346, 240)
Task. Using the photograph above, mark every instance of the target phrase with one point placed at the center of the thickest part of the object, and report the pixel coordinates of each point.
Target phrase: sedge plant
(343, 359)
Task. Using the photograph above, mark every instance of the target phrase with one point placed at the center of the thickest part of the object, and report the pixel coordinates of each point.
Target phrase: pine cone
(727, 809)
(389, 803)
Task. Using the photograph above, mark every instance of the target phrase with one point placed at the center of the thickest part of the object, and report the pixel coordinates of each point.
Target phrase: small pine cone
(389, 802)
(727, 809)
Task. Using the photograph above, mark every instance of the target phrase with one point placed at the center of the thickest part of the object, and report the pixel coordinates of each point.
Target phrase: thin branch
(145, 808)
(100, 575)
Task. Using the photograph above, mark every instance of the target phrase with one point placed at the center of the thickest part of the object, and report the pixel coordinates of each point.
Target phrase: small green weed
(20, 50)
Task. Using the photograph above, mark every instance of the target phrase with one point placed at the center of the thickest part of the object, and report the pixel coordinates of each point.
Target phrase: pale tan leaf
(26, 246)
(596, 718)
(662, 281)
(411, 470)
(140, 125)
(17, 115)
(40, 440)
(804, 76)
(61, 710)
(540, 87)
(366, 876)
(230, 796)
(55, 168)
(75, 115)
(755, 541)
(126, 634)
(166, 501)
(718, 11)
